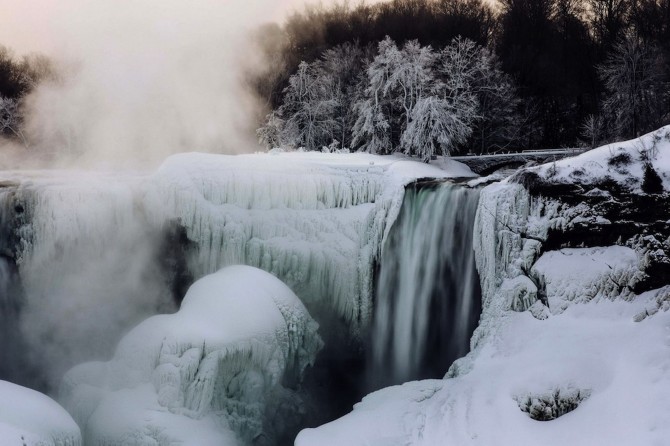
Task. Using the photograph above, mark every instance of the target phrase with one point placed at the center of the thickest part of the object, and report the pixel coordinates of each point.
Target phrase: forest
(430, 77)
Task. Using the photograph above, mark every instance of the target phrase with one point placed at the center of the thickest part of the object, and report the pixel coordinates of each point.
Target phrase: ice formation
(28, 418)
(224, 369)
(89, 245)
(428, 291)
(315, 221)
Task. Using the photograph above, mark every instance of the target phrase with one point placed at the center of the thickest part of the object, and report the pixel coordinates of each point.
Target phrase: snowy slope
(28, 418)
(597, 349)
(222, 370)
(622, 162)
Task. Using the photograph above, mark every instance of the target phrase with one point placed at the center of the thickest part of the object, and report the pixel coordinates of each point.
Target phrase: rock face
(225, 369)
(28, 418)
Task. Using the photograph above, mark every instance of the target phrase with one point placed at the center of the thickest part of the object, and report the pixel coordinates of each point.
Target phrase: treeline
(18, 77)
(574, 72)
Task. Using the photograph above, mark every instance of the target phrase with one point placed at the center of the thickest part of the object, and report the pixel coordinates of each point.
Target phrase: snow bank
(622, 162)
(30, 418)
(618, 366)
(583, 274)
(222, 370)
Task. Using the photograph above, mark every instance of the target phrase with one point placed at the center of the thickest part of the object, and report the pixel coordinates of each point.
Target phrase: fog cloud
(141, 79)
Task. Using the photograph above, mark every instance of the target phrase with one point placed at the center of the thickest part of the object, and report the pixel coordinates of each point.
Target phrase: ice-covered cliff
(225, 369)
(573, 344)
(94, 253)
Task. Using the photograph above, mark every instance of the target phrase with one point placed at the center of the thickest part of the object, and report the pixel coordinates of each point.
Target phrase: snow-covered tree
(435, 127)
(342, 69)
(271, 134)
(592, 130)
(497, 122)
(309, 109)
(317, 107)
(307, 116)
(376, 115)
(412, 79)
(440, 121)
(637, 94)
(429, 98)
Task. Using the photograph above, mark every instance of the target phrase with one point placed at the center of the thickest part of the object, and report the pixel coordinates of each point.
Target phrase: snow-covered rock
(224, 369)
(29, 418)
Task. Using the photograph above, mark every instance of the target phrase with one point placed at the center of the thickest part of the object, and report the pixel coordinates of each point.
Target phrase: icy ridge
(233, 355)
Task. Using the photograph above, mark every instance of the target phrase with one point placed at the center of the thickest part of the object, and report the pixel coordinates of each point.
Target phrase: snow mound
(222, 370)
(30, 418)
(582, 274)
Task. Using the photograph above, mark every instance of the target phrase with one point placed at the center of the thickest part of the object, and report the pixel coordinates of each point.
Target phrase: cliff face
(573, 259)
(576, 230)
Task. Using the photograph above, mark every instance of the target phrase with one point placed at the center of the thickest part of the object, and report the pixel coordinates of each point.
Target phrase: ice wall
(428, 292)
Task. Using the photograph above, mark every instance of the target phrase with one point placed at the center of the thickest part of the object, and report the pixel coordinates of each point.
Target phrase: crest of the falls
(428, 296)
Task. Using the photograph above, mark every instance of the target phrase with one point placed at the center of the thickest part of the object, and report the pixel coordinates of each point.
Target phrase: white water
(427, 293)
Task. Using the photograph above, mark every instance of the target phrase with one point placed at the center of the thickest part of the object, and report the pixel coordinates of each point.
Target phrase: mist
(139, 80)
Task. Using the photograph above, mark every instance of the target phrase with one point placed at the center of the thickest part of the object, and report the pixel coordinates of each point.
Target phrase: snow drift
(224, 369)
(28, 418)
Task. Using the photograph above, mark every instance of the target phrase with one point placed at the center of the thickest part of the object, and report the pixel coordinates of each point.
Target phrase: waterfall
(428, 297)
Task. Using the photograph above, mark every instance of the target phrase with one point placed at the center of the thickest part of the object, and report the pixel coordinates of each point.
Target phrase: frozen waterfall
(428, 291)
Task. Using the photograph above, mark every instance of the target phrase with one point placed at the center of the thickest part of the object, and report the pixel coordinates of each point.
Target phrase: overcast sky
(48, 25)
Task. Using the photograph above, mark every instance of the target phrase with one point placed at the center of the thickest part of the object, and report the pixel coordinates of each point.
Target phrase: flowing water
(428, 298)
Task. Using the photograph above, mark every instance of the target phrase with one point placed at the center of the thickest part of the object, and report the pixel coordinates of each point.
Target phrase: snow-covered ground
(620, 367)
(28, 418)
(622, 162)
